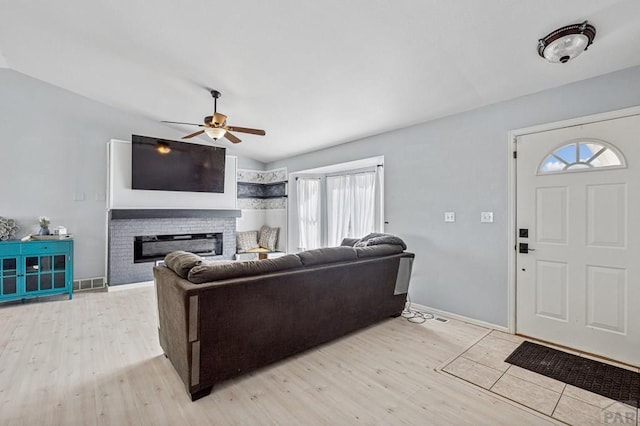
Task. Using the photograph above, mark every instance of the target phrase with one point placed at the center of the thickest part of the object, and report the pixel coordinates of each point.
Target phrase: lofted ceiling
(312, 74)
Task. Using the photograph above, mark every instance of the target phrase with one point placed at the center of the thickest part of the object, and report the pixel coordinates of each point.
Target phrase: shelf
(263, 184)
(262, 190)
(116, 214)
(262, 197)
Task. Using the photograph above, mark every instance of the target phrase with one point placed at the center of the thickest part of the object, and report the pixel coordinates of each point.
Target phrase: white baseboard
(462, 318)
(122, 287)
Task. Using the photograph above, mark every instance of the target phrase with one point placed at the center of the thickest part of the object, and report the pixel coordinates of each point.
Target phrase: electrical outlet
(449, 217)
(486, 217)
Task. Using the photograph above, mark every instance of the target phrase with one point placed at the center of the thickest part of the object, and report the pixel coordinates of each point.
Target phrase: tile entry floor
(483, 365)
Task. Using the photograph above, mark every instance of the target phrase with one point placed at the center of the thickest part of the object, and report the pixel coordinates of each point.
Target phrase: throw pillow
(246, 240)
(268, 237)
(349, 242)
(181, 262)
(377, 238)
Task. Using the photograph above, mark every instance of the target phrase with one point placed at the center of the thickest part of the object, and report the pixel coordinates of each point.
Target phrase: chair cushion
(327, 255)
(217, 272)
(181, 262)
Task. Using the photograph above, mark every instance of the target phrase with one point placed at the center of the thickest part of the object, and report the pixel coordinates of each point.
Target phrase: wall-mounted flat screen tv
(165, 165)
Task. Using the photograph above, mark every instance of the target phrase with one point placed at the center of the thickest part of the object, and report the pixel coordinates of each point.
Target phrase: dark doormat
(604, 379)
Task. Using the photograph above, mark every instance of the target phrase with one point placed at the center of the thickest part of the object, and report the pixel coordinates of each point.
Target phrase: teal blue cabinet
(35, 268)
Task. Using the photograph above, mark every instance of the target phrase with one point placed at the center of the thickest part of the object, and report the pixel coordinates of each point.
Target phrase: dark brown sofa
(226, 319)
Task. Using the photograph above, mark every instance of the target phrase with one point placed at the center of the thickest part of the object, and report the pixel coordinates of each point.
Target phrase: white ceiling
(311, 73)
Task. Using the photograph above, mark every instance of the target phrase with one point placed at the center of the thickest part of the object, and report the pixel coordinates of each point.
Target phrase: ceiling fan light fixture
(215, 126)
(564, 44)
(215, 133)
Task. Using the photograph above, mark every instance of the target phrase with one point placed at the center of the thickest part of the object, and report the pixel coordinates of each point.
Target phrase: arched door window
(582, 155)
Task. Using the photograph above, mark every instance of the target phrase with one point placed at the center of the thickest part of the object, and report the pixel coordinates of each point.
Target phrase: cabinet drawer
(9, 248)
(44, 247)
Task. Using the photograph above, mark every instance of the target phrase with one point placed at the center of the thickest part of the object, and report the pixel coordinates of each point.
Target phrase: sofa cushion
(349, 242)
(327, 255)
(181, 262)
(246, 240)
(379, 250)
(268, 237)
(217, 272)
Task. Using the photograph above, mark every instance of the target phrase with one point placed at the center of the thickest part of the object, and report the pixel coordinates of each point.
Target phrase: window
(337, 201)
(582, 155)
(350, 206)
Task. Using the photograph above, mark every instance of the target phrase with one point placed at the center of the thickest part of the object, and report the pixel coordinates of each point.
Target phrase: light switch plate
(449, 216)
(486, 217)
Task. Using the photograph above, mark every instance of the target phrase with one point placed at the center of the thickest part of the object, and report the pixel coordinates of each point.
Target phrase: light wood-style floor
(96, 360)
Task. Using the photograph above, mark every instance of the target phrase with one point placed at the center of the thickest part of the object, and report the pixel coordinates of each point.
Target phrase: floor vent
(89, 284)
(440, 319)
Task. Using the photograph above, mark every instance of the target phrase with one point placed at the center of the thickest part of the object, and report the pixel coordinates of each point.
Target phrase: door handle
(523, 248)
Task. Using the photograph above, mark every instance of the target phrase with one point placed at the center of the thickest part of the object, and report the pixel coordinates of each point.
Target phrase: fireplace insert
(149, 248)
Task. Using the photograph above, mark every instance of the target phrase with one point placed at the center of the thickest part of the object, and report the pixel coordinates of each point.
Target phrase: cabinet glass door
(8, 276)
(32, 273)
(45, 272)
(59, 270)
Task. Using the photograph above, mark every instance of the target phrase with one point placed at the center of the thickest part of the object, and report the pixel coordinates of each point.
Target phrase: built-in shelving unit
(262, 197)
(262, 190)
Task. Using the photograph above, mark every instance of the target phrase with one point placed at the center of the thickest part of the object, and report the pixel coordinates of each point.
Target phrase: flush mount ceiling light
(564, 44)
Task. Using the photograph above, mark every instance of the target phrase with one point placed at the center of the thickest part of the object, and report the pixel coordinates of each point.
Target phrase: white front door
(578, 203)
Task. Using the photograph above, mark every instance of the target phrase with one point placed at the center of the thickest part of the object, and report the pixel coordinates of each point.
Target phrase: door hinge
(515, 154)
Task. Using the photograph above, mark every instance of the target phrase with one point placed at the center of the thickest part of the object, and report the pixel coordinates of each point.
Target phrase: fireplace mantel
(117, 214)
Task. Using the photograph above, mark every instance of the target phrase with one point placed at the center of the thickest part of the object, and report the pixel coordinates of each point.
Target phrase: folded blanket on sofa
(376, 238)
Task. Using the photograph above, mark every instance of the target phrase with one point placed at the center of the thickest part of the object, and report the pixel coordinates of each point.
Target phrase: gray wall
(459, 163)
(53, 145)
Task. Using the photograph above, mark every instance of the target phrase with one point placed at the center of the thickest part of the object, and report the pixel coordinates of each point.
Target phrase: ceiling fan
(215, 126)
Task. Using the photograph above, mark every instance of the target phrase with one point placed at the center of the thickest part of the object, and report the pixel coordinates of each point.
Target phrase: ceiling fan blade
(231, 137)
(247, 130)
(199, 132)
(179, 122)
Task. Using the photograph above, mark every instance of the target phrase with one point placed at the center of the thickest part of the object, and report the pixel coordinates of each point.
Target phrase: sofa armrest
(172, 293)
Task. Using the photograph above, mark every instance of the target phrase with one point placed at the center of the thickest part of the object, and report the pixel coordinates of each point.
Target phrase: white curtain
(339, 207)
(363, 187)
(379, 202)
(351, 205)
(309, 213)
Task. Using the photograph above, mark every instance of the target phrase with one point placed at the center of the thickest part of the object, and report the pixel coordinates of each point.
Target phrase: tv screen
(165, 165)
